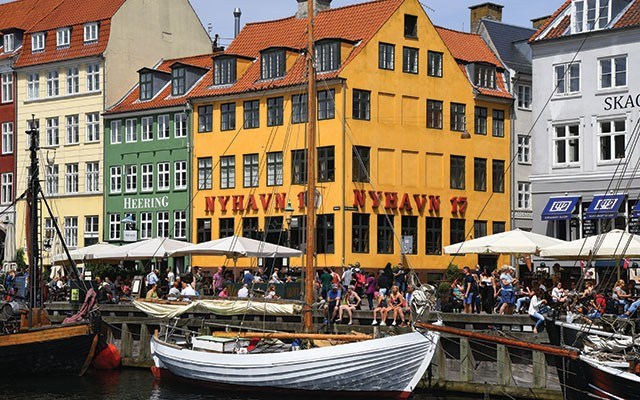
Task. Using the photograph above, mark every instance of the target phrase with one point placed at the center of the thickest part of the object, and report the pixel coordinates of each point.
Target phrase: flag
(627, 263)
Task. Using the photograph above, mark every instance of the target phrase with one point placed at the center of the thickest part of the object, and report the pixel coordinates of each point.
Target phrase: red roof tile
(559, 30)
(23, 14)
(74, 12)
(631, 17)
(467, 47)
(553, 17)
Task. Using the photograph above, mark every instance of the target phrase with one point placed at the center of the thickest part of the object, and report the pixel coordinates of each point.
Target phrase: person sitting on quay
(620, 296)
(174, 292)
(381, 307)
(271, 293)
(558, 294)
(536, 310)
(332, 300)
(224, 293)
(396, 302)
(152, 293)
(524, 296)
(351, 302)
(243, 292)
(632, 309)
(187, 291)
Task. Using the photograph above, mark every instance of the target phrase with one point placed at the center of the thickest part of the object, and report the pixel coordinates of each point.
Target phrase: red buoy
(108, 358)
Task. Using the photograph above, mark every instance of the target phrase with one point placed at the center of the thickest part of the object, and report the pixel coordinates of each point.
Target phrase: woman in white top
(537, 301)
(620, 296)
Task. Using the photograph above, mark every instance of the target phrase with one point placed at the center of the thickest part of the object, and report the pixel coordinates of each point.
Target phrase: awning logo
(560, 206)
(606, 205)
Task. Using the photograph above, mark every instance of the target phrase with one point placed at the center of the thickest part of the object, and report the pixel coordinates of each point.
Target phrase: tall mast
(311, 174)
(33, 218)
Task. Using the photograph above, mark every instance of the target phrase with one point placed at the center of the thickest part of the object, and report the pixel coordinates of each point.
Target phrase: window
(114, 226)
(53, 137)
(524, 97)
(612, 139)
(497, 168)
(327, 55)
(146, 86)
(434, 64)
(479, 229)
(299, 109)
(326, 164)
(51, 173)
(326, 104)
(33, 86)
(37, 42)
(567, 78)
(457, 232)
(179, 175)
(434, 114)
(73, 80)
(115, 131)
(480, 174)
(180, 224)
(498, 227)
(498, 123)
(480, 121)
(485, 76)
(146, 225)
(524, 149)
(227, 172)
(178, 81)
(250, 227)
(7, 88)
(146, 173)
(163, 127)
(203, 229)
(361, 104)
(71, 231)
(224, 71)
(204, 173)
(93, 77)
(325, 228)
(164, 176)
(613, 72)
(298, 167)
(250, 167)
(146, 128)
(410, 57)
(92, 177)
(410, 26)
(63, 37)
(434, 236)
(91, 32)
(226, 227)
(567, 145)
(205, 118)
(91, 224)
(49, 230)
(360, 157)
(457, 173)
(410, 229)
(273, 64)
(228, 116)
(458, 118)
(93, 127)
(9, 42)
(386, 56)
(251, 114)
(131, 182)
(360, 233)
(596, 16)
(131, 131)
(180, 125)
(71, 178)
(524, 195)
(6, 191)
(274, 169)
(275, 111)
(163, 224)
(7, 137)
(73, 130)
(115, 174)
(385, 234)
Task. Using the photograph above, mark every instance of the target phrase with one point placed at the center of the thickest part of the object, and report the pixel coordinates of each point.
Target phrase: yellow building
(75, 62)
(395, 97)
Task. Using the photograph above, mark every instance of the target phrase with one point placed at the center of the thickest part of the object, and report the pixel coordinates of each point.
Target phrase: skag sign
(604, 206)
(559, 208)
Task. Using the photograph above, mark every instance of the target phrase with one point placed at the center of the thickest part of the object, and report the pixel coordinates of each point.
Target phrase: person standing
(370, 289)
(216, 282)
(507, 295)
(152, 278)
(470, 289)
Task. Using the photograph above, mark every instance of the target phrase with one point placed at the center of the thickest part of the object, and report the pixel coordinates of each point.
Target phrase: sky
(452, 14)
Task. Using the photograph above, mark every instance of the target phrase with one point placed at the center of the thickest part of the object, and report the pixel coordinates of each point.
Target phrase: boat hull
(388, 367)
(53, 350)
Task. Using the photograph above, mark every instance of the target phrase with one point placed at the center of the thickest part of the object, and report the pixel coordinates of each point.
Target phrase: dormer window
(485, 76)
(178, 82)
(37, 42)
(9, 40)
(146, 86)
(91, 32)
(328, 55)
(273, 64)
(224, 71)
(589, 15)
(63, 36)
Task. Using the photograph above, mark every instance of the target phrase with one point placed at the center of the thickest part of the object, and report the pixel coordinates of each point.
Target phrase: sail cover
(165, 309)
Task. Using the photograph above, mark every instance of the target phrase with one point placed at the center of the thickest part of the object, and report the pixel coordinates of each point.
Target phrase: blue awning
(604, 206)
(559, 208)
(636, 210)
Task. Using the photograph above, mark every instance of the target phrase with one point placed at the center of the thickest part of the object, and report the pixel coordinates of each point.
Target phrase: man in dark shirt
(326, 280)
(333, 298)
(470, 288)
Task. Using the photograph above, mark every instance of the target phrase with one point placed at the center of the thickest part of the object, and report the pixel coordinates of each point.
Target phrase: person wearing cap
(333, 298)
(507, 295)
(350, 303)
(381, 307)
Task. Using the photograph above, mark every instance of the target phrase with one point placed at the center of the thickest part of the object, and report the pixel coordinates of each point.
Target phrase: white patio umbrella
(142, 250)
(82, 254)
(613, 244)
(238, 246)
(515, 242)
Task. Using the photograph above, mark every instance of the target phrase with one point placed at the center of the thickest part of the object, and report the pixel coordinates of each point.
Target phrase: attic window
(410, 26)
(63, 37)
(273, 64)
(485, 76)
(91, 32)
(178, 81)
(589, 15)
(224, 71)
(146, 86)
(9, 40)
(328, 55)
(37, 42)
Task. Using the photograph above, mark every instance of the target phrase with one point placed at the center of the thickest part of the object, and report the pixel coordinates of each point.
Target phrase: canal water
(129, 384)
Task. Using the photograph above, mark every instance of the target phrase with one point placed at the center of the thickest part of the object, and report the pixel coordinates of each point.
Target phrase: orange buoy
(108, 358)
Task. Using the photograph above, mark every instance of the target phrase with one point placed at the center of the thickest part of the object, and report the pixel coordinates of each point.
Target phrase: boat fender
(108, 358)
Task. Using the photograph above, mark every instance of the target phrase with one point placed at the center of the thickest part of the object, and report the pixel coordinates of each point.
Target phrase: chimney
(538, 22)
(482, 11)
(236, 16)
(318, 5)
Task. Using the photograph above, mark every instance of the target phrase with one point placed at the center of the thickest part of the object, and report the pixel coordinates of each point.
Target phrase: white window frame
(91, 32)
(180, 125)
(93, 77)
(92, 177)
(524, 97)
(613, 65)
(611, 136)
(9, 42)
(6, 189)
(52, 132)
(91, 222)
(180, 175)
(180, 224)
(71, 178)
(131, 178)
(131, 130)
(53, 83)
(7, 87)
(115, 179)
(567, 147)
(116, 131)
(73, 80)
(164, 176)
(33, 86)
(52, 181)
(164, 126)
(580, 15)
(146, 175)
(7, 138)
(37, 42)
(524, 149)
(146, 129)
(71, 231)
(114, 227)
(63, 37)
(524, 196)
(146, 225)
(562, 82)
(162, 224)
(93, 127)
(72, 129)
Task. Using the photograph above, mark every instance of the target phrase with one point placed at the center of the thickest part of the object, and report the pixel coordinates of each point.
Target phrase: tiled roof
(631, 17)
(163, 99)
(74, 12)
(553, 17)
(23, 14)
(354, 23)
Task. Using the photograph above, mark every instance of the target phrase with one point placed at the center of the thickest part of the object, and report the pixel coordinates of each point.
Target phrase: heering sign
(149, 203)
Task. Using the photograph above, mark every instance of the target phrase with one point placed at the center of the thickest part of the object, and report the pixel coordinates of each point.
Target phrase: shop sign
(406, 201)
(621, 102)
(148, 203)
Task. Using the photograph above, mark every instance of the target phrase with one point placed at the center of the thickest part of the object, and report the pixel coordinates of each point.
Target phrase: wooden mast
(311, 174)
(32, 223)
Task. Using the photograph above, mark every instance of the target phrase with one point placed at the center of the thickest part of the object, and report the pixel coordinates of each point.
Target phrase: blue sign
(560, 208)
(604, 206)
